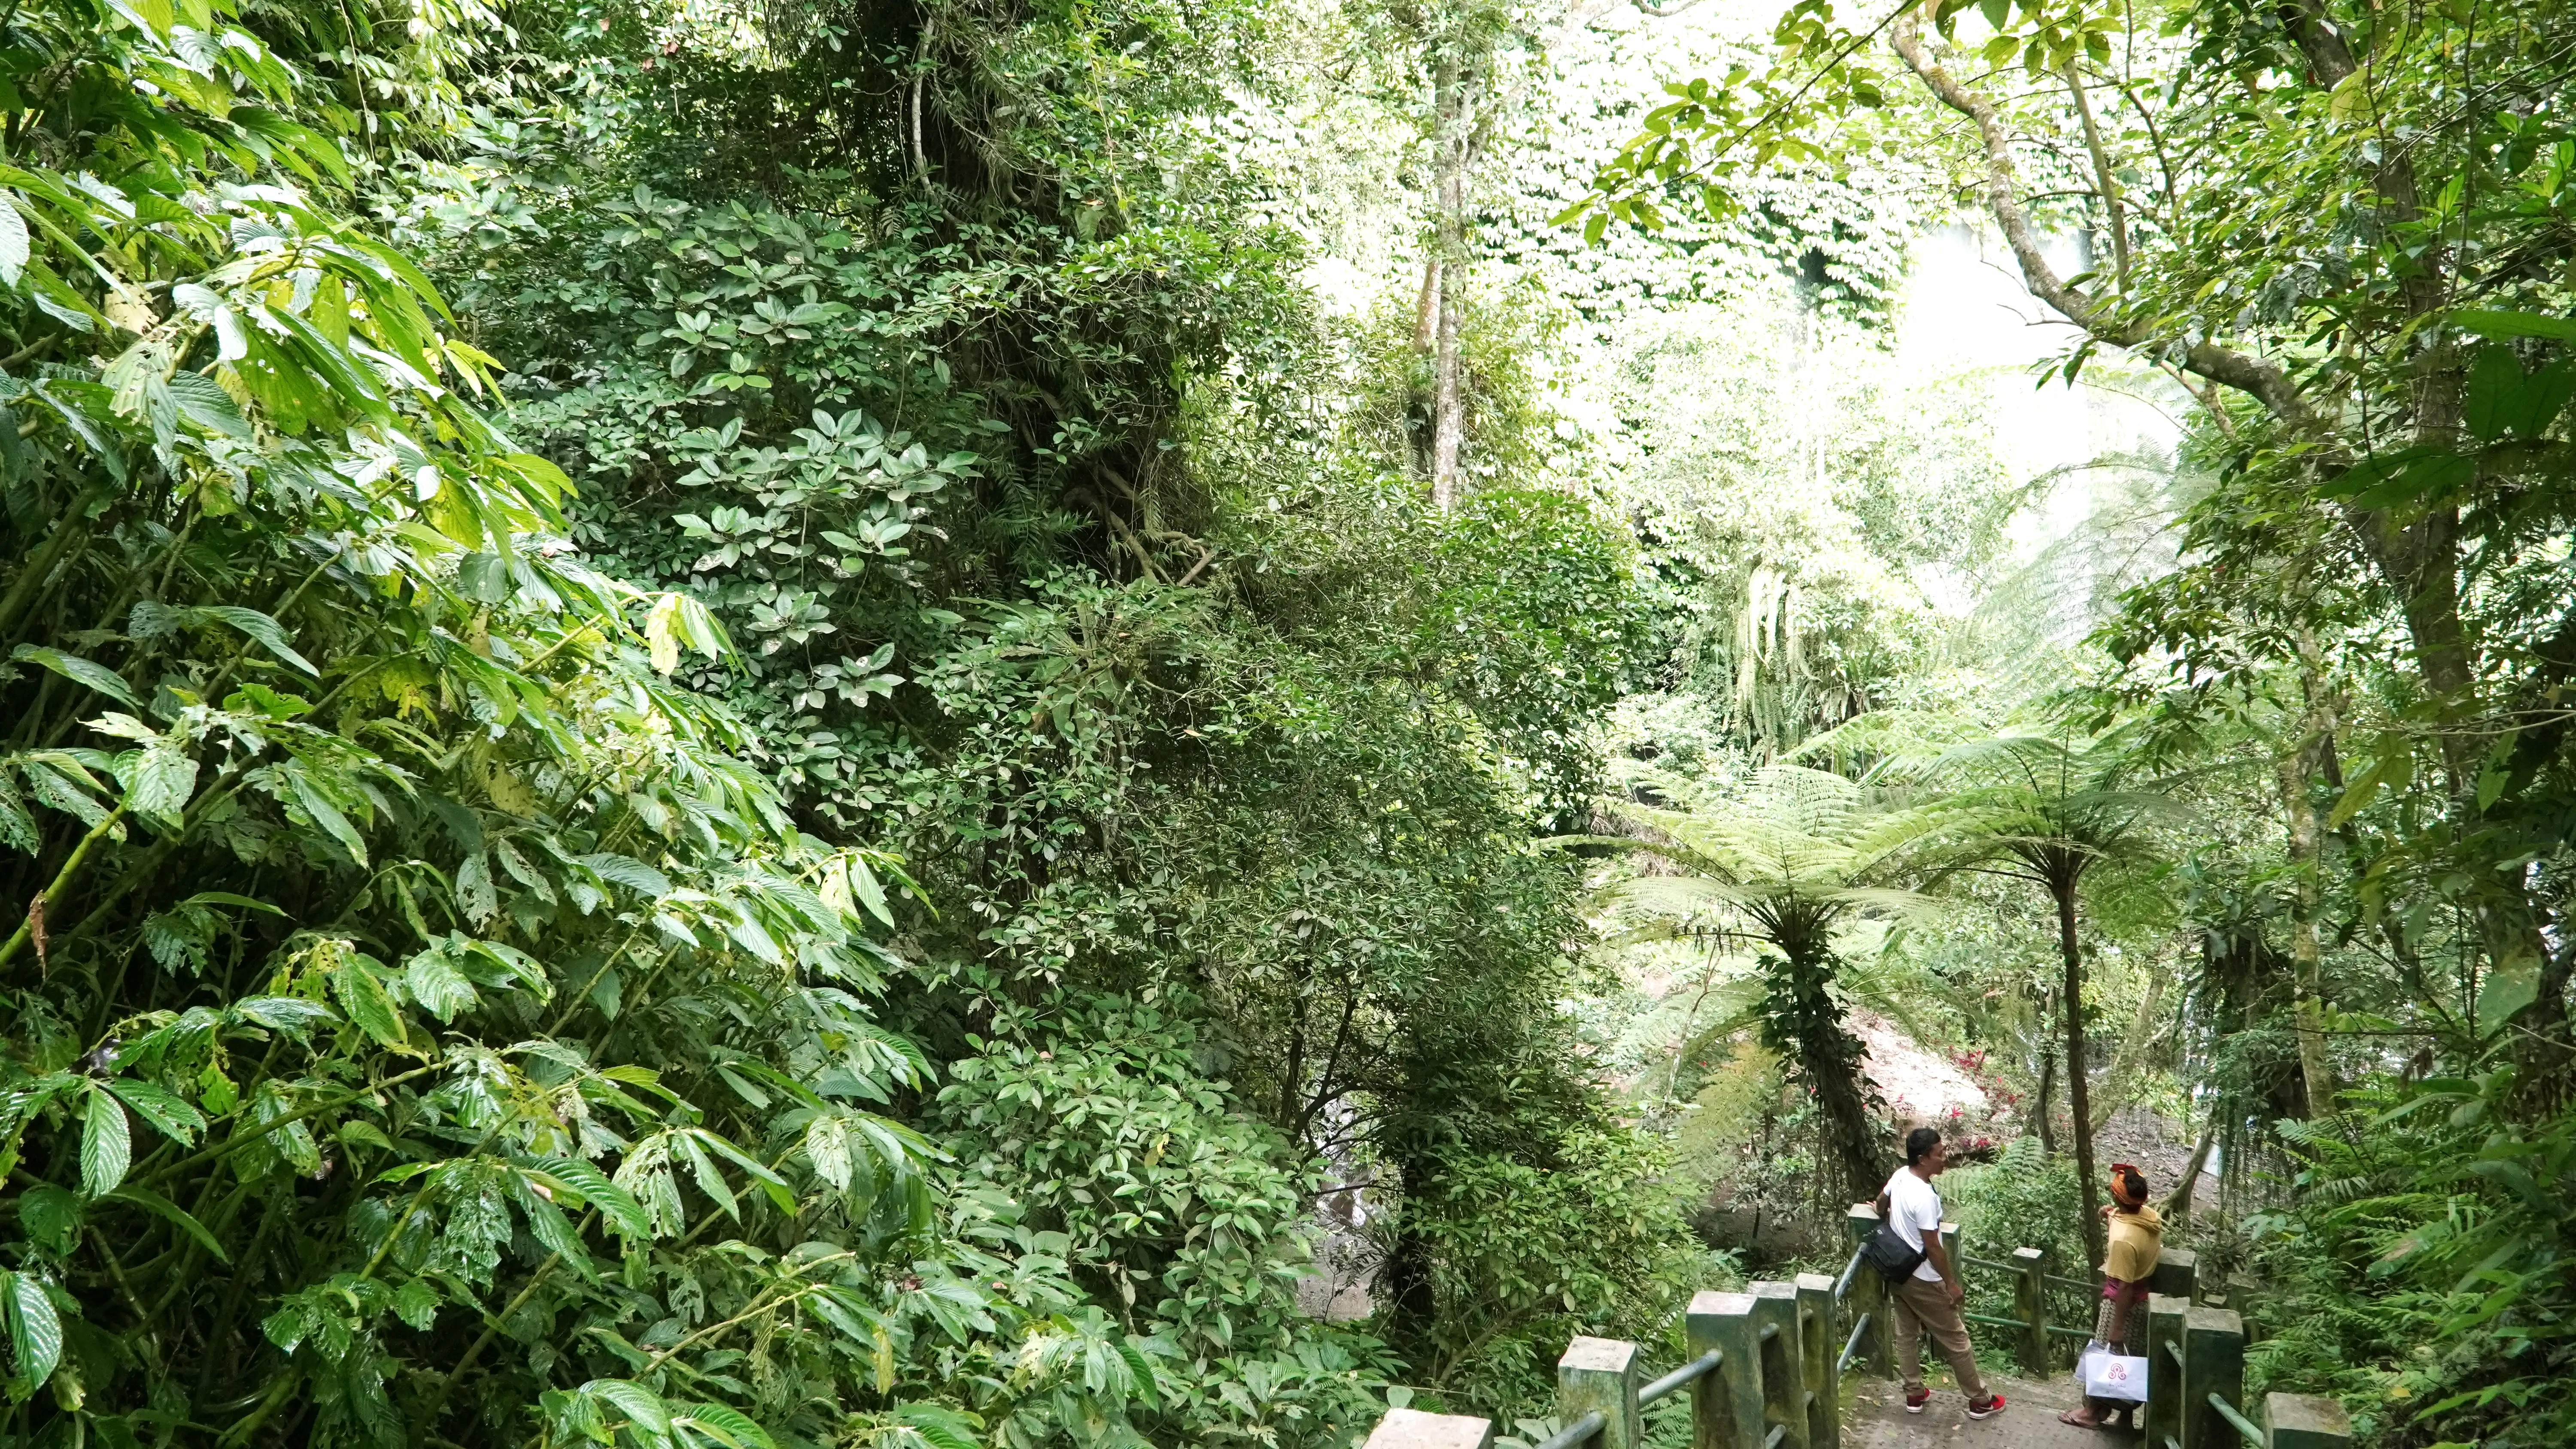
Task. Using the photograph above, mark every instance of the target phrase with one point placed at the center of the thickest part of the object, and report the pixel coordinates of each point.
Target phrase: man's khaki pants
(1924, 1307)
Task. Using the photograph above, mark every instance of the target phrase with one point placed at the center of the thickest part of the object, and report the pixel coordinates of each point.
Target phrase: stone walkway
(1876, 1418)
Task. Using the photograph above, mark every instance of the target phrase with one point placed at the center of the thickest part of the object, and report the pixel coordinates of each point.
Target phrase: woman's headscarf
(2128, 1185)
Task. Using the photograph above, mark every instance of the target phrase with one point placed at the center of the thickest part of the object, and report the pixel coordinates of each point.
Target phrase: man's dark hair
(1920, 1141)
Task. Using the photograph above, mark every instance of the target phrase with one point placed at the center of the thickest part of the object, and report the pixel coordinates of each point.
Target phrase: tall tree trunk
(1426, 309)
(1404, 1290)
(1448, 400)
(1803, 1022)
(2299, 810)
(2047, 1082)
(2178, 1202)
(2078, 1098)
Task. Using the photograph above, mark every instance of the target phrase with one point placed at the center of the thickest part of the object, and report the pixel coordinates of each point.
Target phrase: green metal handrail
(1851, 1346)
(2244, 1426)
(1842, 1285)
(1680, 1378)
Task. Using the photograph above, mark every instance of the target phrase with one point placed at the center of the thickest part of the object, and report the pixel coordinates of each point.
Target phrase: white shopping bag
(2108, 1375)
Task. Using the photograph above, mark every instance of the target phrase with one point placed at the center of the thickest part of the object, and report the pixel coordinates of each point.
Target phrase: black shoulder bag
(1891, 1255)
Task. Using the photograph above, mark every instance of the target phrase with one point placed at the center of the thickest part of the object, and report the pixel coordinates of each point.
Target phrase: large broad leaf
(940, 1428)
(635, 1401)
(169, 1114)
(79, 671)
(369, 1005)
(292, 1015)
(729, 1427)
(2516, 324)
(621, 1209)
(2408, 476)
(2504, 401)
(827, 1146)
(324, 812)
(51, 1215)
(2510, 986)
(633, 874)
(176, 1215)
(13, 240)
(441, 989)
(159, 782)
(416, 1304)
(35, 1331)
(107, 1144)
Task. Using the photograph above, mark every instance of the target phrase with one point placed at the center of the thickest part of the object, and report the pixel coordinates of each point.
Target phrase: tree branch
(2262, 380)
(2110, 187)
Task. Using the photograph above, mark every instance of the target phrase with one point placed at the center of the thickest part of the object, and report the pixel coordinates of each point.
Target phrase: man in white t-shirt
(1928, 1302)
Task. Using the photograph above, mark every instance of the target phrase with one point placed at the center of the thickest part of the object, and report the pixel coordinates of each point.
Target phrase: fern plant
(1788, 860)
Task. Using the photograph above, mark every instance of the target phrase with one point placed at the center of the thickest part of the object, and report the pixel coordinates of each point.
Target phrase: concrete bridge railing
(1764, 1368)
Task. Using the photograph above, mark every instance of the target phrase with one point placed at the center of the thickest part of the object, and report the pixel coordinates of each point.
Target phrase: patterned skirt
(2108, 1326)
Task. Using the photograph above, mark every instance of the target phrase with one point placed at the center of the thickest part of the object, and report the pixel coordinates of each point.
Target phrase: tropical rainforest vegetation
(871, 722)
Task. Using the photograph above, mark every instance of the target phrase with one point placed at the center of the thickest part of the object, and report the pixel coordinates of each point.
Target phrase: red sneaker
(1993, 1405)
(1915, 1400)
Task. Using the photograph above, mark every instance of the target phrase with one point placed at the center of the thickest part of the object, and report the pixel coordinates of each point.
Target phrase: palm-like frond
(2025, 791)
(1791, 840)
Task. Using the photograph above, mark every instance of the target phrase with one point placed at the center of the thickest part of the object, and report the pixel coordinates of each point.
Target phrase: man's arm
(1939, 1257)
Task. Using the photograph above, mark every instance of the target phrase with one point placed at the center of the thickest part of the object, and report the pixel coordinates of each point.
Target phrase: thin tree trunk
(2299, 808)
(1426, 341)
(1448, 402)
(2078, 1098)
(2178, 1202)
(2047, 1085)
(1426, 309)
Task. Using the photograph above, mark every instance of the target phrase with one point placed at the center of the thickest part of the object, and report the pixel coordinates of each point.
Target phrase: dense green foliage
(2349, 270)
(828, 878)
(873, 723)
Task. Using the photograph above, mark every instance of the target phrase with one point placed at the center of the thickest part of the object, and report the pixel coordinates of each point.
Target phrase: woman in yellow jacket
(2136, 1243)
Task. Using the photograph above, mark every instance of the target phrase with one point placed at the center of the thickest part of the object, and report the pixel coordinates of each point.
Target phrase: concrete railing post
(1869, 1296)
(1601, 1373)
(2030, 1305)
(2177, 1274)
(2302, 1421)
(2213, 1353)
(1726, 1404)
(2163, 1418)
(1784, 1383)
(1818, 1345)
(1413, 1429)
